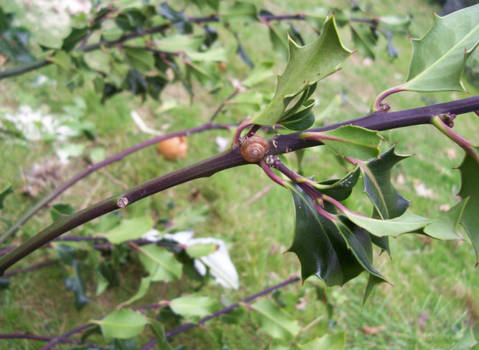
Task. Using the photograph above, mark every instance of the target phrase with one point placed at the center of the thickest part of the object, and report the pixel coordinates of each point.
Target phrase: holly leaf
(470, 219)
(193, 307)
(377, 184)
(140, 59)
(98, 61)
(275, 321)
(160, 264)
(439, 57)
(407, 222)
(364, 40)
(306, 66)
(342, 188)
(351, 141)
(261, 72)
(334, 252)
(446, 225)
(122, 324)
(142, 289)
(129, 229)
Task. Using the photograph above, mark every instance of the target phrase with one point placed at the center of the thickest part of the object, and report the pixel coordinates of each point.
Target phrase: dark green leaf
(76, 284)
(373, 281)
(469, 189)
(340, 189)
(4, 283)
(326, 249)
(4, 195)
(177, 18)
(377, 183)
(162, 342)
(131, 19)
(76, 35)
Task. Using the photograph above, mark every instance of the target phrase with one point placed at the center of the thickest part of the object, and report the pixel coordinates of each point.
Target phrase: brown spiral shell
(254, 148)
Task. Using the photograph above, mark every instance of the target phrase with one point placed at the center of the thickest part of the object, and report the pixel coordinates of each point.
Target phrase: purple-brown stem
(229, 159)
(96, 166)
(52, 343)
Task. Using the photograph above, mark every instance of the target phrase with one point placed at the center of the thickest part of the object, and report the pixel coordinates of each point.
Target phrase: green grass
(427, 277)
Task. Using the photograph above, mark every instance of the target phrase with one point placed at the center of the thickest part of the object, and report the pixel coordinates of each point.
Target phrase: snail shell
(254, 148)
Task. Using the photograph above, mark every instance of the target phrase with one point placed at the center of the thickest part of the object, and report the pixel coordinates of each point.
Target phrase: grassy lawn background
(434, 293)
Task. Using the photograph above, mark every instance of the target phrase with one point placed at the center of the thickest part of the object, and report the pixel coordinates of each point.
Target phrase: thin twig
(96, 166)
(223, 311)
(44, 338)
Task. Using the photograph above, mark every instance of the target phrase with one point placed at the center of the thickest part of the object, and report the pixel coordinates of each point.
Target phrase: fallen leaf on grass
(373, 330)
(422, 319)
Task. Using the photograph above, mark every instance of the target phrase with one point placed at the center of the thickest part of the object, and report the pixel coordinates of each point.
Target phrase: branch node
(122, 202)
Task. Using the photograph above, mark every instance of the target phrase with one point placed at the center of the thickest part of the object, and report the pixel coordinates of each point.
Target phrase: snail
(254, 148)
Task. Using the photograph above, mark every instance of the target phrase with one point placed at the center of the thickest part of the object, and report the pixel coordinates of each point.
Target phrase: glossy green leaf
(129, 229)
(98, 61)
(278, 35)
(342, 188)
(217, 54)
(351, 141)
(193, 307)
(469, 189)
(4, 194)
(177, 18)
(439, 57)
(394, 22)
(407, 222)
(140, 293)
(180, 43)
(359, 243)
(122, 324)
(238, 11)
(306, 66)
(260, 73)
(274, 320)
(140, 59)
(446, 225)
(62, 60)
(160, 264)
(373, 281)
(364, 40)
(199, 250)
(326, 249)
(75, 36)
(377, 184)
(326, 342)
